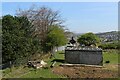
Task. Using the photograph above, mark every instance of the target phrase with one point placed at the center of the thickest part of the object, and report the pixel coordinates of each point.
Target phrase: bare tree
(41, 18)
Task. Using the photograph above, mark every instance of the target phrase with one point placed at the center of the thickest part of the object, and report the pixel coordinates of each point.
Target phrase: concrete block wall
(91, 57)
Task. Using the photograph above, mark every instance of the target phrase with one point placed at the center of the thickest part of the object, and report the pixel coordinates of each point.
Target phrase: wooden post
(10, 66)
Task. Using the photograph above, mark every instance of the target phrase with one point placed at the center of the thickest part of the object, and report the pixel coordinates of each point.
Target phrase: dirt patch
(85, 72)
(113, 67)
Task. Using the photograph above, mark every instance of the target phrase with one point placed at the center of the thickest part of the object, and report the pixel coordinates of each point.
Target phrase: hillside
(108, 36)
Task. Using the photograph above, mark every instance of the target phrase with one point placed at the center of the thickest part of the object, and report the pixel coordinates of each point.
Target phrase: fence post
(10, 67)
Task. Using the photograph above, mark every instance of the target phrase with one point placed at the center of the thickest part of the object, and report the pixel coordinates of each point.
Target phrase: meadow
(25, 72)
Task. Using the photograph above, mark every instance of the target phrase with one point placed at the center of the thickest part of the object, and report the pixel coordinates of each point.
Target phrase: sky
(60, 0)
(80, 17)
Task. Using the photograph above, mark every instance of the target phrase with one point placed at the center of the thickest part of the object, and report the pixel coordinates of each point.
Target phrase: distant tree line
(33, 31)
(112, 45)
(89, 39)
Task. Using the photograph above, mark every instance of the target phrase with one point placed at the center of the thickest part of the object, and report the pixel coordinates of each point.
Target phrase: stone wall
(91, 57)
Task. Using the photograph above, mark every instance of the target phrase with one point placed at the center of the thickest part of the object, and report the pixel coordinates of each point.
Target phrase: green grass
(19, 72)
(15, 72)
(46, 73)
(59, 55)
(111, 55)
(41, 73)
(0, 74)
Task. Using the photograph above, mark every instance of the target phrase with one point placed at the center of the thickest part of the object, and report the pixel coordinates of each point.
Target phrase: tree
(88, 39)
(42, 18)
(0, 39)
(68, 33)
(8, 24)
(55, 37)
(107, 45)
(18, 43)
(0, 21)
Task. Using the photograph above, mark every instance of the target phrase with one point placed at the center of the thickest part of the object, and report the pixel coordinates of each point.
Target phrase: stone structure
(91, 56)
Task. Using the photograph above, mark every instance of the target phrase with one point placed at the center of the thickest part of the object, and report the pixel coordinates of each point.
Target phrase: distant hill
(108, 36)
(105, 36)
(111, 32)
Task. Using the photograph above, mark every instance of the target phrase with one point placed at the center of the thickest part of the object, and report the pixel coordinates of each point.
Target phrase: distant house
(108, 36)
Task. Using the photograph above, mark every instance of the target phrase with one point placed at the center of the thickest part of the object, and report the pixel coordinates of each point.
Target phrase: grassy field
(20, 72)
(111, 55)
(46, 73)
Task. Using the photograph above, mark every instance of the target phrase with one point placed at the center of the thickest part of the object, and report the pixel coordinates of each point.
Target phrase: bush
(18, 44)
(109, 46)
